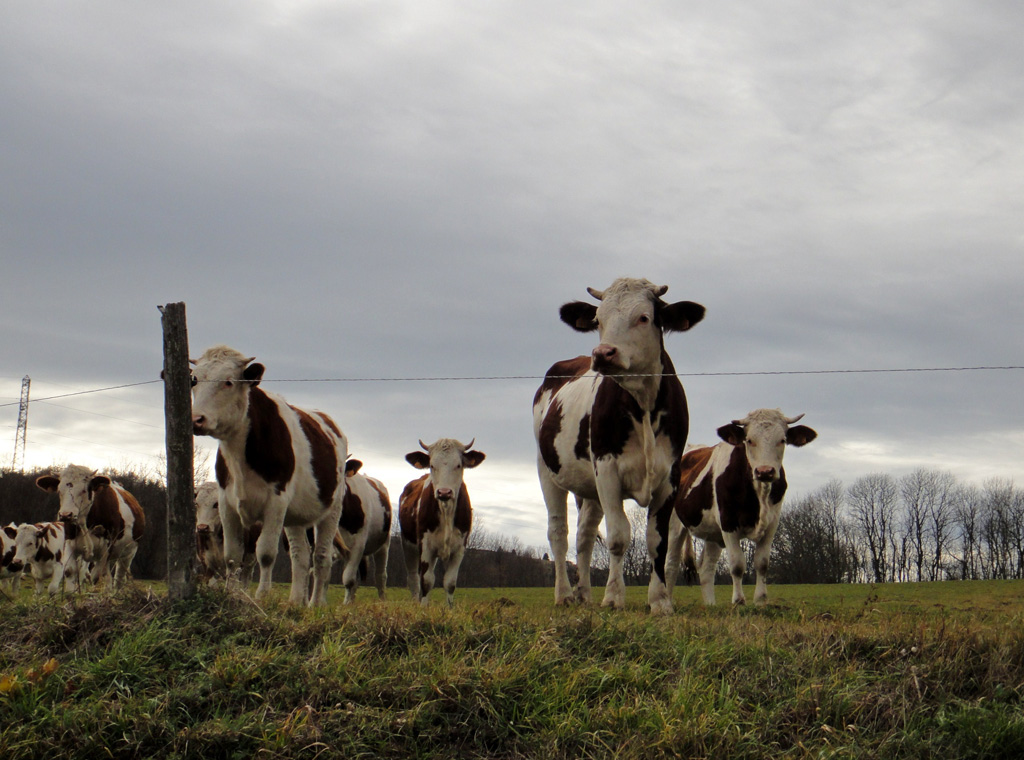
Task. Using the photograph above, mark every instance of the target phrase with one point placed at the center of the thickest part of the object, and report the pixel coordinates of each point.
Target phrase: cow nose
(444, 494)
(201, 528)
(604, 354)
(765, 474)
(65, 517)
(15, 566)
(198, 423)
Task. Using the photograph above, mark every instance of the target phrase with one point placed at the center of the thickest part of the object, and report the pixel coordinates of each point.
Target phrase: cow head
(447, 460)
(7, 549)
(631, 321)
(76, 486)
(221, 379)
(765, 433)
(207, 511)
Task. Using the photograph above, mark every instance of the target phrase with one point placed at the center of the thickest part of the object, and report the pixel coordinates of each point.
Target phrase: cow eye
(228, 384)
(644, 319)
(195, 382)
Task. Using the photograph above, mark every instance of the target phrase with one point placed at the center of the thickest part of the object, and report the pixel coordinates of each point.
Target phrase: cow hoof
(664, 607)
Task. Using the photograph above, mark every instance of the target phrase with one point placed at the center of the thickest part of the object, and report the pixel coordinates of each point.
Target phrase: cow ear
(253, 374)
(580, 316)
(732, 434)
(418, 459)
(48, 483)
(98, 482)
(11, 531)
(352, 467)
(681, 316)
(473, 457)
(800, 435)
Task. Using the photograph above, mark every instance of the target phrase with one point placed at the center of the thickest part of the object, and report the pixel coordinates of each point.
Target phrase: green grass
(923, 670)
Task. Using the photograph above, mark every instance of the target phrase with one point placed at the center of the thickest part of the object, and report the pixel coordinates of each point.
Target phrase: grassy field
(915, 670)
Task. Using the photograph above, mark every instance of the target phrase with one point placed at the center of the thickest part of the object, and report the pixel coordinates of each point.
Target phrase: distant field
(915, 670)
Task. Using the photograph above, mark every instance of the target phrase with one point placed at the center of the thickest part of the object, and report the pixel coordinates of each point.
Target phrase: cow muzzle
(199, 425)
(444, 494)
(606, 359)
(16, 566)
(765, 474)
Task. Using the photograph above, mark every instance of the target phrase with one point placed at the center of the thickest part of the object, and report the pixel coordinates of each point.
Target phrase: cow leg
(676, 533)
(451, 573)
(555, 498)
(428, 559)
(610, 492)
(588, 520)
(706, 570)
(737, 566)
(234, 542)
(659, 594)
(762, 553)
(122, 570)
(266, 554)
(323, 555)
(380, 571)
(298, 552)
(350, 575)
(412, 567)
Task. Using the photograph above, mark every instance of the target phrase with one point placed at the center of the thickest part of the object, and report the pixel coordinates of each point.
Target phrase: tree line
(923, 526)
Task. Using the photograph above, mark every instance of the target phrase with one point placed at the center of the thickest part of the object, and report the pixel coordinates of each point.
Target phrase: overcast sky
(351, 190)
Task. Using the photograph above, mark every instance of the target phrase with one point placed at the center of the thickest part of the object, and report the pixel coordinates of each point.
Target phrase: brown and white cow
(10, 571)
(39, 549)
(365, 529)
(612, 426)
(277, 464)
(435, 514)
(210, 537)
(89, 501)
(732, 491)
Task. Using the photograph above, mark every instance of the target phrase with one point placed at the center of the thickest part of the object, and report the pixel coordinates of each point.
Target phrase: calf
(10, 571)
(435, 515)
(612, 426)
(732, 491)
(89, 501)
(39, 549)
(276, 464)
(365, 530)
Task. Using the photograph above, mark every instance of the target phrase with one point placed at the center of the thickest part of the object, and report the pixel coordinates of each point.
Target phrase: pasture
(911, 670)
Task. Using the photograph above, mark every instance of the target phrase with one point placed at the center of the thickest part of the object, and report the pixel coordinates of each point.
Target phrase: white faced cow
(612, 426)
(365, 529)
(210, 537)
(39, 549)
(733, 491)
(95, 511)
(435, 514)
(276, 464)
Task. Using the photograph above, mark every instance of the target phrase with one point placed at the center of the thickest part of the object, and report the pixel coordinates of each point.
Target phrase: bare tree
(872, 501)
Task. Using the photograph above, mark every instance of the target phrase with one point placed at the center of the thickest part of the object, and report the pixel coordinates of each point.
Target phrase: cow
(39, 549)
(10, 571)
(612, 426)
(210, 537)
(89, 501)
(365, 530)
(277, 464)
(732, 491)
(435, 514)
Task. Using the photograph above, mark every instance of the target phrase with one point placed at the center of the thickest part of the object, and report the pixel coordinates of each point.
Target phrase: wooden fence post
(181, 510)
